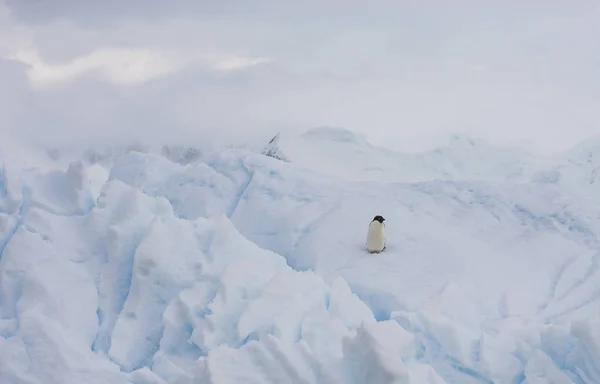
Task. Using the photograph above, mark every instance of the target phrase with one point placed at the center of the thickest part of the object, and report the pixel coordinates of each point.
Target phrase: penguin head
(379, 218)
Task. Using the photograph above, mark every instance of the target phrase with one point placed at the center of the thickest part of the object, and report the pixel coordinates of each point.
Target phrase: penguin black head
(379, 218)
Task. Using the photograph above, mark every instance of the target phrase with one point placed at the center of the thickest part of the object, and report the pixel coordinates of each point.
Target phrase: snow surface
(234, 267)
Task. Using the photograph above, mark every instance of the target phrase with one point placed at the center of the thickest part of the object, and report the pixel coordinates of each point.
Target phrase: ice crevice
(242, 189)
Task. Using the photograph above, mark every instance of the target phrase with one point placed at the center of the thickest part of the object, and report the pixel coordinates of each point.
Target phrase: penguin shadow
(356, 259)
(389, 248)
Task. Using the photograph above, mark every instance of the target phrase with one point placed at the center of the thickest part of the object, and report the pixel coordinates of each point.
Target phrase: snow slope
(344, 153)
(239, 268)
(577, 170)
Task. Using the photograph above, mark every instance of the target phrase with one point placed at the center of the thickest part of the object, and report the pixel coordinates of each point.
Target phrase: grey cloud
(109, 13)
(389, 68)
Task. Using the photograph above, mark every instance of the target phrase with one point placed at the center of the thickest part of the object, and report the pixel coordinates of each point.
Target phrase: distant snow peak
(272, 150)
(586, 150)
(109, 154)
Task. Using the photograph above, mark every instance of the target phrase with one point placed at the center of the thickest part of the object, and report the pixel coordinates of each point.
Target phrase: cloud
(237, 63)
(394, 70)
(119, 66)
(135, 63)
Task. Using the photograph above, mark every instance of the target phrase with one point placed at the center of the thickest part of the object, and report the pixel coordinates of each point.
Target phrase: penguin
(375, 235)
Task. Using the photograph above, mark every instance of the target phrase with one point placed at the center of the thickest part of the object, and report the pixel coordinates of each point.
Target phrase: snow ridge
(240, 268)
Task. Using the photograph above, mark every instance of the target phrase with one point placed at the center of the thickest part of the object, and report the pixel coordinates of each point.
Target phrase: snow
(229, 266)
(341, 152)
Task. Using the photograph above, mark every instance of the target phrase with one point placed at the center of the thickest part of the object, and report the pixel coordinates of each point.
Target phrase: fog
(402, 72)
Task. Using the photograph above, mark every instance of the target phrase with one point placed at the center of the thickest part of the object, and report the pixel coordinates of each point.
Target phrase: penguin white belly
(375, 237)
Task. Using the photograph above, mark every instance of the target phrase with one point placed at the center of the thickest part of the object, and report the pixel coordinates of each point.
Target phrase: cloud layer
(395, 70)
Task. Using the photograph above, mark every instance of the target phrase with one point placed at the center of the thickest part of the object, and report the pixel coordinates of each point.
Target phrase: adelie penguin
(376, 235)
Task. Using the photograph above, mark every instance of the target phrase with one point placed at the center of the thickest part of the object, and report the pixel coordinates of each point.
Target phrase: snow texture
(234, 267)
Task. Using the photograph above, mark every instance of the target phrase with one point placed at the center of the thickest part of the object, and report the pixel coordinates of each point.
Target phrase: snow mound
(343, 153)
(240, 268)
(576, 170)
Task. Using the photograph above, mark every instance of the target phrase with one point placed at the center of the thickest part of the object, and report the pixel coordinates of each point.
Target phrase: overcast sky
(73, 71)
